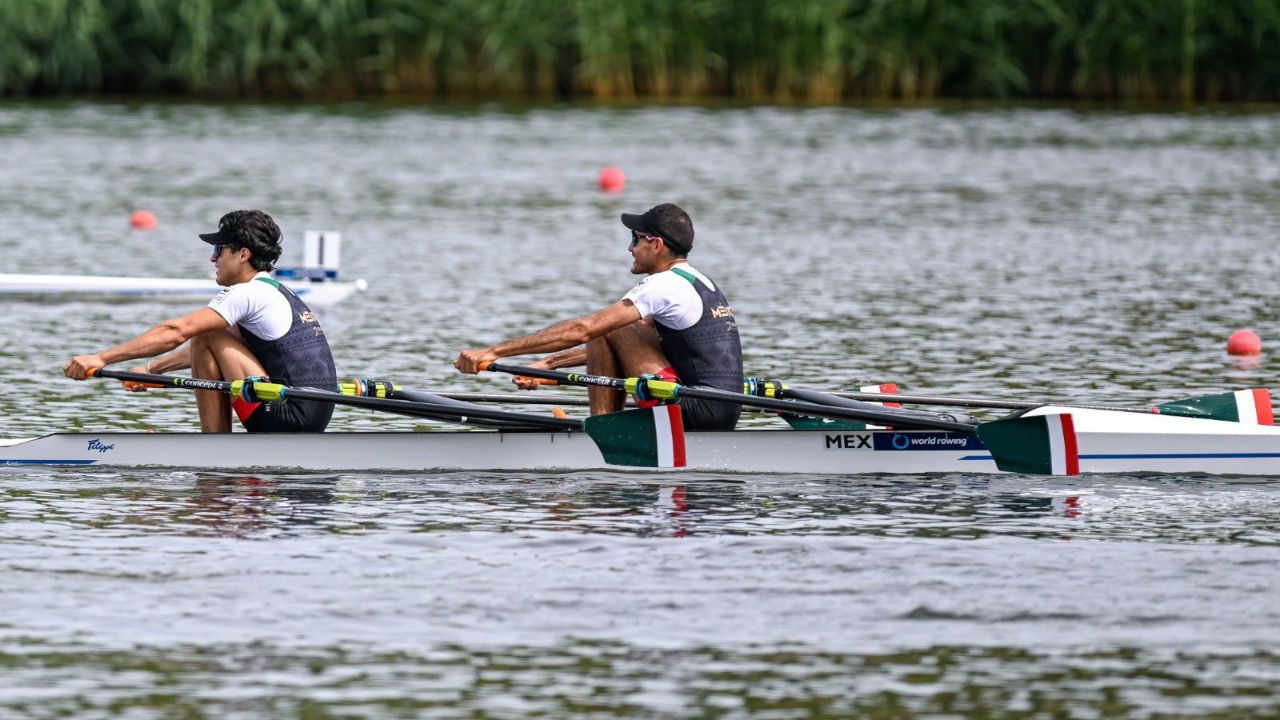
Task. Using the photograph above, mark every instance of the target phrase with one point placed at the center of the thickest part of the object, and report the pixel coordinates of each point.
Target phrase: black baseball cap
(224, 236)
(668, 222)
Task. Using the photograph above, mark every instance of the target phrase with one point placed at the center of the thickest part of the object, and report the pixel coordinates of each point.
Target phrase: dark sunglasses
(217, 248)
(637, 236)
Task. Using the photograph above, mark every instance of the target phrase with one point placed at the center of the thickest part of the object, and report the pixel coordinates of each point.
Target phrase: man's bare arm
(161, 338)
(560, 336)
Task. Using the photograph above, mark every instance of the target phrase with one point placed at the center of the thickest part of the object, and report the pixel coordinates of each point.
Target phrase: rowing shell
(1055, 440)
(314, 292)
(844, 452)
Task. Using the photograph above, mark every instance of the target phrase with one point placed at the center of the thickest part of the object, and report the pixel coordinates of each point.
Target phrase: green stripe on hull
(1019, 445)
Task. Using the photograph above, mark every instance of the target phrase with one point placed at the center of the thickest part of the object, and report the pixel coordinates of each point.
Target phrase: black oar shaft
(883, 416)
(527, 398)
(424, 409)
(936, 400)
(821, 398)
(978, 402)
(466, 407)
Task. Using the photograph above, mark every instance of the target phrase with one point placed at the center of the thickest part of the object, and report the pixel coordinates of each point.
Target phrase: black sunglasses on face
(637, 236)
(217, 248)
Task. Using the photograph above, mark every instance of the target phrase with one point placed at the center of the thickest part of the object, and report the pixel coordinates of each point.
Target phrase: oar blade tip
(1036, 445)
(649, 437)
(1247, 407)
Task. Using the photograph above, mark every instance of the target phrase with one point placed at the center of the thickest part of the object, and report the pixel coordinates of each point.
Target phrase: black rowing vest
(300, 357)
(708, 353)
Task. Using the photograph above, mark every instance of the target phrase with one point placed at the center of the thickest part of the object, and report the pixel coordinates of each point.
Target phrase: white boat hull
(743, 451)
(1101, 441)
(316, 293)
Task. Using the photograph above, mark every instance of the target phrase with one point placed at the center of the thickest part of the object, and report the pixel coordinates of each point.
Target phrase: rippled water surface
(1016, 253)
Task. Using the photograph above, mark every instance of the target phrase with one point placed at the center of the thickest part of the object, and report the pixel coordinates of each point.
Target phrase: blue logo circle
(901, 442)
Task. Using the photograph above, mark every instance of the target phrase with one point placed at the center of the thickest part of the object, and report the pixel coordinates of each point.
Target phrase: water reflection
(249, 506)
(584, 678)
(1246, 362)
(1164, 509)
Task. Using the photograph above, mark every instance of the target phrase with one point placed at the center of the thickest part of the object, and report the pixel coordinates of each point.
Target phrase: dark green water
(1011, 252)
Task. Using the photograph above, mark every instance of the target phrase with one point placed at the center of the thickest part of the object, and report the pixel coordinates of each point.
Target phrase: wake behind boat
(316, 281)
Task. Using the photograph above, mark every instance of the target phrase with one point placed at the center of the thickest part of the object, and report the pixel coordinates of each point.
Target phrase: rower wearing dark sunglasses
(255, 327)
(676, 324)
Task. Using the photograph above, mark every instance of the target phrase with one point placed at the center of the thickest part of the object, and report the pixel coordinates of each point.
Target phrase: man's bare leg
(219, 355)
(601, 361)
(628, 351)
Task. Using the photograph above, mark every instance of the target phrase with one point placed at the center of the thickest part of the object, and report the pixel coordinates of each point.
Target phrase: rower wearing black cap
(255, 327)
(675, 324)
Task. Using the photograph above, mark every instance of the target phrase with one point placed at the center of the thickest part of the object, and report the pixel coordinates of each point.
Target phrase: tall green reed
(756, 50)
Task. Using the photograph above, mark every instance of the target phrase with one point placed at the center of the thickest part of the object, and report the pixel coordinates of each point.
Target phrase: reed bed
(821, 51)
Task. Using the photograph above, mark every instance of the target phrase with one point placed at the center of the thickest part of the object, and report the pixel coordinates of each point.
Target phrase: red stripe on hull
(1069, 448)
(1262, 401)
(677, 435)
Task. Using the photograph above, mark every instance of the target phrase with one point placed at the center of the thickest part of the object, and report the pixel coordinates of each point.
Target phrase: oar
(350, 388)
(387, 390)
(1250, 407)
(664, 390)
(774, 389)
(259, 391)
(937, 400)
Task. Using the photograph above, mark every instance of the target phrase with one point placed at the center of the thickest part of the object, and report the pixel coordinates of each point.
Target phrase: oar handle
(521, 372)
(130, 385)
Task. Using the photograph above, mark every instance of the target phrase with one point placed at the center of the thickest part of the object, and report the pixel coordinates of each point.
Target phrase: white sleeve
(256, 306)
(668, 299)
(232, 303)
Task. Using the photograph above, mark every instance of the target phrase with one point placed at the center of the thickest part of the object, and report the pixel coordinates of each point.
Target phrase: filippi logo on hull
(100, 446)
(927, 441)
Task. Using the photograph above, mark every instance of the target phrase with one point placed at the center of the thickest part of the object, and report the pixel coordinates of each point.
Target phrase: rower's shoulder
(261, 288)
(687, 274)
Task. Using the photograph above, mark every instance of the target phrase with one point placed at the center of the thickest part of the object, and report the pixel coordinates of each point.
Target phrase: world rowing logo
(926, 441)
(100, 446)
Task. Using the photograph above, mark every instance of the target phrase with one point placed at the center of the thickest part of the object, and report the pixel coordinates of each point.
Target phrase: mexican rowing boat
(842, 452)
(1231, 433)
(1056, 440)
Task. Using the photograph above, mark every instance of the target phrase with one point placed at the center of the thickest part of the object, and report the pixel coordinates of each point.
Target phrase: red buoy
(143, 219)
(1244, 342)
(612, 180)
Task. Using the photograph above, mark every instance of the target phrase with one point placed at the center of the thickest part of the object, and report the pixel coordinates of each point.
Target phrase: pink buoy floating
(1244, 342)
(612, 180)
(143, 219)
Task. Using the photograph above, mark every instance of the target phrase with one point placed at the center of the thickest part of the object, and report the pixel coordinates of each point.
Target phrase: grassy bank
(754, 50)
